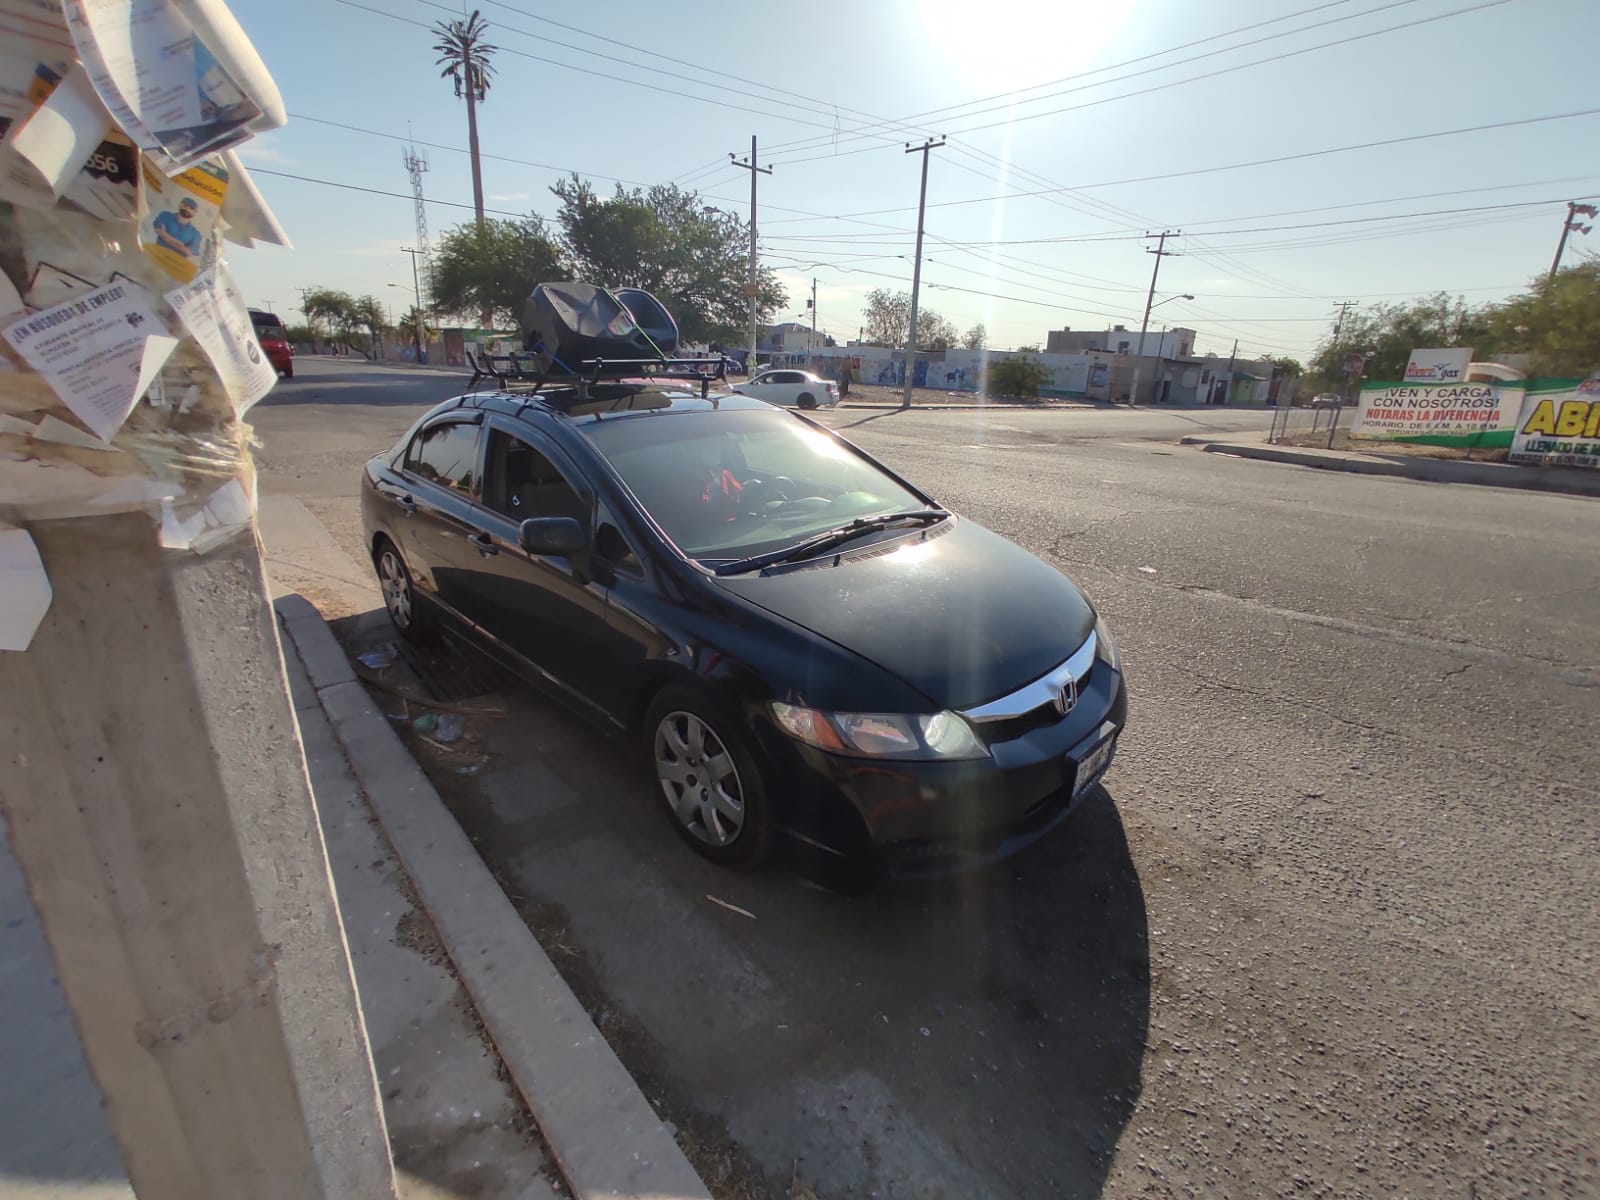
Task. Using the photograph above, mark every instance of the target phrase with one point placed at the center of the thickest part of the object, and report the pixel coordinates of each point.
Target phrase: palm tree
(464, 57)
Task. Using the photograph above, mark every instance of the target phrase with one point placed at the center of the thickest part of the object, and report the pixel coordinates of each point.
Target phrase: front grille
(1042, 717)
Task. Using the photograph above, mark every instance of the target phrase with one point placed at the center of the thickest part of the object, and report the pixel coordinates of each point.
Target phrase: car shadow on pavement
(1009, 1006)
(978, 1034)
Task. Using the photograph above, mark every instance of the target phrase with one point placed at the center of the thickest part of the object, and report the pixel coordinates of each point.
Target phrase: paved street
(1329, 930)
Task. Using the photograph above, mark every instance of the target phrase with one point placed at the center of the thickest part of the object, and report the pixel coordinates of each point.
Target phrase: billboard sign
(1438, 366)
(1560, 426)
(1466, 414)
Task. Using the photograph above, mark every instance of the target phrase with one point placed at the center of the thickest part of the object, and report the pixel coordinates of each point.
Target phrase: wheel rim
(699, 779)
(396, 588)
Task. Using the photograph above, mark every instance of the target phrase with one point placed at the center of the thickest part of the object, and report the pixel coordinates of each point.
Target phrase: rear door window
(447, 455)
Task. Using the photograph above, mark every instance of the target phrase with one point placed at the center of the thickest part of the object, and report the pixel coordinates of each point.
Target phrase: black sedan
(805, 645)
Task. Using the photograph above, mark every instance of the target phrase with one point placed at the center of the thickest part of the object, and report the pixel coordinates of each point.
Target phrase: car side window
(520, 482)
(446, 454)
(611, 545)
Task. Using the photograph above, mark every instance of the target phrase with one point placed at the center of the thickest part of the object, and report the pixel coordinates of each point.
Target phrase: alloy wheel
(699, 779)
(396, 588)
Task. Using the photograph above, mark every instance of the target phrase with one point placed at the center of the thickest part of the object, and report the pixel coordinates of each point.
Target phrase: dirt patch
(1343, 441)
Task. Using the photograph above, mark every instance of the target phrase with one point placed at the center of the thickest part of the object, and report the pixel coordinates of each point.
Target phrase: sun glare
(1006, 44)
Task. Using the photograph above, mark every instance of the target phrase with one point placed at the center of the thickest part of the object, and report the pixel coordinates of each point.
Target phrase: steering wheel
(761, 491)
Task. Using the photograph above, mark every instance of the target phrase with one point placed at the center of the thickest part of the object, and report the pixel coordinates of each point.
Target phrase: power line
(953, 111)
(618, 79)
(1015, 118)
(351, 187)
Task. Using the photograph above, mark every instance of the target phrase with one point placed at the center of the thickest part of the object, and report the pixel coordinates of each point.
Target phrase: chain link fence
(1315, 422)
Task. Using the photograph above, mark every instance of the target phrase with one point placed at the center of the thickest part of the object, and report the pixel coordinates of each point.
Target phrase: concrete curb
(604, 1136)
(1565, 481)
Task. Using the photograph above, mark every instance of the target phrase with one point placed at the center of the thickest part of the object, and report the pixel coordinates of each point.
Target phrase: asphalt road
(1329, 931)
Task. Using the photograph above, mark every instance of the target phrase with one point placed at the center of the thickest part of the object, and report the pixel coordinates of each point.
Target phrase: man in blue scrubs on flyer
(176, 231)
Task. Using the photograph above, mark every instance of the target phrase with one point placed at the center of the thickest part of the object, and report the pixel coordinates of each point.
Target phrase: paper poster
(24, 589)
(181, 80)
(57, 142)
(99, 351)
(180, 215)
(42, 151)
(213, 309)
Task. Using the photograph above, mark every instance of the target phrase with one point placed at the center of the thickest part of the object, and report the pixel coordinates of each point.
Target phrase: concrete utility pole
(416, 284)
(158, 805)
(1160, 252)
(750, 288)
(916, 268)
(813, 314)
(1569, 225)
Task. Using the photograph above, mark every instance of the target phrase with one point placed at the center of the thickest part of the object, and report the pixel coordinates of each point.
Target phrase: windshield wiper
(829, 538)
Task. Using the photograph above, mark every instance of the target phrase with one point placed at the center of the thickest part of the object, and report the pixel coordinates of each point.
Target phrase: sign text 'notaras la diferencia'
(1459, 408)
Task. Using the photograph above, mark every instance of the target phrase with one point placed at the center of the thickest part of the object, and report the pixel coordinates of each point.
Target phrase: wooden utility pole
(1160, 252)
(751, 288)
(916, 269)
(1570, 225)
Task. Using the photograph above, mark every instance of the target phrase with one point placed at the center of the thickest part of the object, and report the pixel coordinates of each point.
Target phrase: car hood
(964, 616)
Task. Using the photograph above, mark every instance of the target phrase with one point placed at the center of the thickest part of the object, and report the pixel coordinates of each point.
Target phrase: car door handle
(406, 503)
(484, 543)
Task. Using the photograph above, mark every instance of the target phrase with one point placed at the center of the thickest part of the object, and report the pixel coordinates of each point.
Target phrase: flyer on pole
(100, 351)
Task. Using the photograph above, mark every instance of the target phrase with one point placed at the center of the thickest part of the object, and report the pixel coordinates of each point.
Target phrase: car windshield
(732, 483)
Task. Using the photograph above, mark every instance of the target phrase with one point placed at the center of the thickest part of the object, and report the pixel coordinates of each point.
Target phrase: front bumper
(928, 818)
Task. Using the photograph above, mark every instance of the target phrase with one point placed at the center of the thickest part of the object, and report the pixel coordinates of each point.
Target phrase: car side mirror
(559, 536)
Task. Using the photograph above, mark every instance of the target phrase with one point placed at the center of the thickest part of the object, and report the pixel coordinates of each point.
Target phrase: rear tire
(411, 619)
(706, 775)
(807, 400)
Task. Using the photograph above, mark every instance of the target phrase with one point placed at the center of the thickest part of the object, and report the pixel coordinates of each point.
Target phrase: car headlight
(1105, 646)
(925, 736)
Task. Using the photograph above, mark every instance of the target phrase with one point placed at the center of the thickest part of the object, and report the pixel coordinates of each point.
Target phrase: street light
(1153, 307)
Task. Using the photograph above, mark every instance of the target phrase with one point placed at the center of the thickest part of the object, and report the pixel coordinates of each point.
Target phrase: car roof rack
(599, 379)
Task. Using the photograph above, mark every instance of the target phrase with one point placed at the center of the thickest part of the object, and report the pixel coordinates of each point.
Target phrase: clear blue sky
(808, 80)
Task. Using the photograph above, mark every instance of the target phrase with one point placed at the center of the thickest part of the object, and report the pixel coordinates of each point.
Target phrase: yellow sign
(1560, 428)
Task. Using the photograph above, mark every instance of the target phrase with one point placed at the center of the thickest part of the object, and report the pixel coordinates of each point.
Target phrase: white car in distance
(791, 389)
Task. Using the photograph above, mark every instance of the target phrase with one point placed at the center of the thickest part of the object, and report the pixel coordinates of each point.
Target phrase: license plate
(1092, 766)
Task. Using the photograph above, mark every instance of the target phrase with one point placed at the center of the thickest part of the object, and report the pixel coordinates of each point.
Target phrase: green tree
(1554, 327)
(410, 322)
(331, 311)
(1020, 376)
(888, 315)
(692, 258)
(492, 267)
(1029, 349)
(976, 338)
(369, 316)
(1287, 366)
(934, 332)
(1387, 333)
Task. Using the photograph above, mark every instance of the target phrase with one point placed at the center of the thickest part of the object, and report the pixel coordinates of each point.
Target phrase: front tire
(807, 400)
(410, 619)
(708, 779)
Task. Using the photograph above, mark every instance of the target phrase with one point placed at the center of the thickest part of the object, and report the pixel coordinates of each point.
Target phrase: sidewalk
(1574, 481)
(457, 1129)
(602, 1135)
